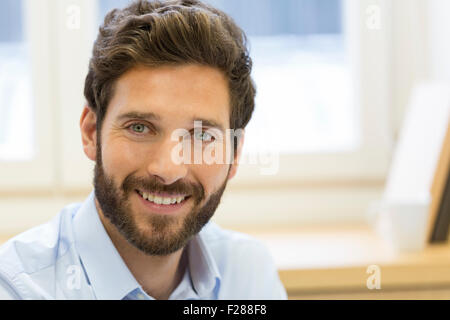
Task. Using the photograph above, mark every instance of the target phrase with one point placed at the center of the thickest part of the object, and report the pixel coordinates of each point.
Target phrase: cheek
(121, 156)
(210, 176)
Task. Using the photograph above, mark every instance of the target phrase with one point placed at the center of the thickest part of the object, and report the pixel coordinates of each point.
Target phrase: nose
(162, 165)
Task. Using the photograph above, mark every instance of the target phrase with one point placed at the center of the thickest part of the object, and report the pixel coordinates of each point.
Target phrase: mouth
(162, 203)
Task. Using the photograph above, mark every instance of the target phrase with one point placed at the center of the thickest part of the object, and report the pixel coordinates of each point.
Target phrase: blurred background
(335, 79)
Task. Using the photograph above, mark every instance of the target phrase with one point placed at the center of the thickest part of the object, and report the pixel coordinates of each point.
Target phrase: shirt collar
(203, 268)
(107, 272)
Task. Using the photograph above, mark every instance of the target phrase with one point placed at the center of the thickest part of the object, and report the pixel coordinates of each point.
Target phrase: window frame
(370, 162)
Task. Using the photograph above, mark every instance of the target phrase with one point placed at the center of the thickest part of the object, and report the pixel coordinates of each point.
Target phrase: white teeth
(160, 200)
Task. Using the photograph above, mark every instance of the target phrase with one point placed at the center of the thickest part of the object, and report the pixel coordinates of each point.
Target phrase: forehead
(173, 92)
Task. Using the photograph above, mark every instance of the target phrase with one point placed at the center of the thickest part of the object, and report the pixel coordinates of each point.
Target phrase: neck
(158, 275)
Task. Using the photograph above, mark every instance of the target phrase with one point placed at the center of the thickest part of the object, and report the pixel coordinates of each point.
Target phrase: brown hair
(172, 32)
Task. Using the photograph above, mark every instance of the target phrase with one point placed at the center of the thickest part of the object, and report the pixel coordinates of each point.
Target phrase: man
(163, 75)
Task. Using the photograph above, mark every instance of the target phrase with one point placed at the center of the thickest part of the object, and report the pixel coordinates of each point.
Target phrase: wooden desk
(332, 262)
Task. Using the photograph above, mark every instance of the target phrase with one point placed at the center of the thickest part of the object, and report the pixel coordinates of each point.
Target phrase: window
(26, 93)
(323, 98)
(304, 102)
(104, 6)
(16, 111)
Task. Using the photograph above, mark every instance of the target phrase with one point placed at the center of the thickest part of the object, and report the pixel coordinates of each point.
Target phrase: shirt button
(140, 296)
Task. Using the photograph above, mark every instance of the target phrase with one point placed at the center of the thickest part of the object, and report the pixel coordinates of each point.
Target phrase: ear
(237, 156)
(88, 122)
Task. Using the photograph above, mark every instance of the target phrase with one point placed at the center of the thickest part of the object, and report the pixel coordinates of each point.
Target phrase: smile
(161, 200)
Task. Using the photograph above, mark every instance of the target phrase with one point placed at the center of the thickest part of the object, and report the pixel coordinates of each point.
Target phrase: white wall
(439, 39)
(409, 53)
(420, 49)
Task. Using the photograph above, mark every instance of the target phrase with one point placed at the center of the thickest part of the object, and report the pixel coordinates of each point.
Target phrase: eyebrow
(155, 117)
(139, 115)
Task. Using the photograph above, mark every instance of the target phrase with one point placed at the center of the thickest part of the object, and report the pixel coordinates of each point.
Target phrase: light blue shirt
(72, 257)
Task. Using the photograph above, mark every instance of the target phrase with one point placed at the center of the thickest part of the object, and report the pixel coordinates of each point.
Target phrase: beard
(162, 239)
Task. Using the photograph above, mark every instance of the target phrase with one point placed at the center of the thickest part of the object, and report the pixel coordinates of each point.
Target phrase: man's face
(135, 155)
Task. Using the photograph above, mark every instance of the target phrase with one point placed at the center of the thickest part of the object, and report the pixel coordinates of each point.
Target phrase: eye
(204, 136)
(137, 128)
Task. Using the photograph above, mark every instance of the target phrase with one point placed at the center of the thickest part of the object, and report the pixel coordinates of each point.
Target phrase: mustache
(132, 183)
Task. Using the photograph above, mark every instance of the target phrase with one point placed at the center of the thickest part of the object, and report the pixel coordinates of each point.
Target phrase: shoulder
(245, 263)
(228, 244)
(33, 251)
